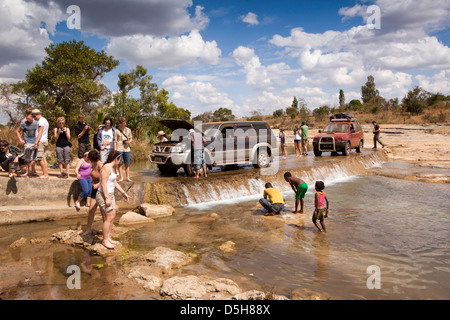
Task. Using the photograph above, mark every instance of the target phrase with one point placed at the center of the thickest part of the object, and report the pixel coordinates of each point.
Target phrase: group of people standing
(111, 145)
(98, 170)
(300, 141)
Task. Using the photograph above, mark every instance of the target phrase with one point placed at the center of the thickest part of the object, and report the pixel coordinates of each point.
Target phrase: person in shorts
(26, 134)
(197, 141)
(105, 196)
(304, 130)
(62, 138)
(105, 139)
(320, 210)
(122, 143)
(41, 142)
(300, 187)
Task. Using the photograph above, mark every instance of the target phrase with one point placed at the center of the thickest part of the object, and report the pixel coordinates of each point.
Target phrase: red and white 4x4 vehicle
(342, 134)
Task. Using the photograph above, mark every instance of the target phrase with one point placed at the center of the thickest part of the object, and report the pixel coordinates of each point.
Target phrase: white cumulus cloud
(250, 18)
(165, 52)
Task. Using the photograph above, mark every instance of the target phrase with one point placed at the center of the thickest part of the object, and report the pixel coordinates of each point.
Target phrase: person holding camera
(82, 130)
(62, 137)
(122, 140)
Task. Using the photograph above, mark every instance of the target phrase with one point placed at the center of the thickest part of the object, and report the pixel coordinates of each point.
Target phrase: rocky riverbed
(161, 273)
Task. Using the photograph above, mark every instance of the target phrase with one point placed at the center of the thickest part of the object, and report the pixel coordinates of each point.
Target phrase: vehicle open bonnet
(174, 124)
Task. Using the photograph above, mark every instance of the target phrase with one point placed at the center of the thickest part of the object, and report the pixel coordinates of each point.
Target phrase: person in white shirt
(105, 139)
(41, 142)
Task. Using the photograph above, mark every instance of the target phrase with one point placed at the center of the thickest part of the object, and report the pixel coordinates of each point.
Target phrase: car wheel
(262, 159)
(188, 169)
(317, 153)
(167, 169)
(347, 149)
(360, 146)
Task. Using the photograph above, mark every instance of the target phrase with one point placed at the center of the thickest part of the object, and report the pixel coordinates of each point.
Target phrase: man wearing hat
(41, 142)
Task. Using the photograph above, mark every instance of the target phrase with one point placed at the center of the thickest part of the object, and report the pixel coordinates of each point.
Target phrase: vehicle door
(354, 140)
(224, 150)
(242, 135)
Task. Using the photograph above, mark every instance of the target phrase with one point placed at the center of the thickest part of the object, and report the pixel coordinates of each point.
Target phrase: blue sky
(245, 55)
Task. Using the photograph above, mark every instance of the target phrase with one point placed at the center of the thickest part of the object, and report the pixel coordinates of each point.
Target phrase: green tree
(144, 111)
(355, 105)
(341, 99)
(136, 110)
(69, 77)
(204, 117)
(321, 113)
(415, 100)
(278, 113)
(292, 112)
(223, 114)
(295, 103)
(368, 91)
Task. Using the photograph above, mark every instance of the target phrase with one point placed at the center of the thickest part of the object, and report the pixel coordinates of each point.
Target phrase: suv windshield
(336, 127)
(209, 130)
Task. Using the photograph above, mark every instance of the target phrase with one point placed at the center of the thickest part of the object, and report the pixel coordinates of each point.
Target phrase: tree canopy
(368, 91)
(68, 80)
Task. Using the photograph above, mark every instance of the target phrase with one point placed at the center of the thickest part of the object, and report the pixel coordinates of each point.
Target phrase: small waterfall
(245, 185)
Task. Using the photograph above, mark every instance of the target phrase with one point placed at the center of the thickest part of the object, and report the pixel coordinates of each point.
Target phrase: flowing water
(399, 227)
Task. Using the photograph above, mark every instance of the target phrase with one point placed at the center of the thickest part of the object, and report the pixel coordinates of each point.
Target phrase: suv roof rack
(343, 117)
(343, 120)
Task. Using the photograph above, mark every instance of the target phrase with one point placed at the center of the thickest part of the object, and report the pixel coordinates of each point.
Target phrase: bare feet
(77, 205)
(113, 242)
(107, 244)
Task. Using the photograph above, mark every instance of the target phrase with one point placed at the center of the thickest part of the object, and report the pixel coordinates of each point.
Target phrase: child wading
(300, 187)
(320, 210)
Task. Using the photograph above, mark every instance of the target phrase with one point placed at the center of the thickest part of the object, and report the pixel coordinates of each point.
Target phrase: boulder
(144, 277)
(133, 218)
(199, 287)
(164, 260)
(156, 210)
(228, 247)
(68, 237)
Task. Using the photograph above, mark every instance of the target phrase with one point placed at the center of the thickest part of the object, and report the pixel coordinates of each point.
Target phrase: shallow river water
(398, 228)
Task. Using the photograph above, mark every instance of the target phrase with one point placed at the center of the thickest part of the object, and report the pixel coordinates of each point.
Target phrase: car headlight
(178, 148)
(154, 149)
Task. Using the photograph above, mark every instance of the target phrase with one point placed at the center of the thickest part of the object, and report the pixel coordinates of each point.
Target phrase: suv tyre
(347, 149)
